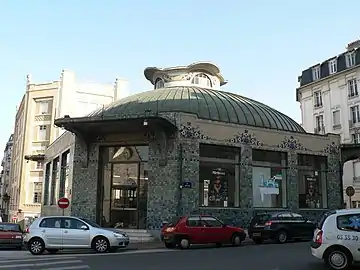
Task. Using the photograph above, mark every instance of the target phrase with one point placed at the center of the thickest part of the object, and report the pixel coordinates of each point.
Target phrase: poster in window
(218, 189)
(312, 192)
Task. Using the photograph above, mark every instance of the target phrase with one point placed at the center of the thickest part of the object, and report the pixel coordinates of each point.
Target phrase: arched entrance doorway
(123, 185)
(350, 164)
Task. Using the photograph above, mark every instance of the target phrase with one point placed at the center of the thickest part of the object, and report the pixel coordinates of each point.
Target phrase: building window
(352, 88)
(47, 183)
(43, 107)
(312, 181)
(54, 179)
(350, 59)
(269, 179)
(319, 124)
(37, 192)
(356, 138)
(316, 73)
(63, 173)
(159, 84)
(336, 119)
(202, 80)
(42, 133)
(317, 99)
(39, 165)
(355, 114)
(219, 176)
(333, 66)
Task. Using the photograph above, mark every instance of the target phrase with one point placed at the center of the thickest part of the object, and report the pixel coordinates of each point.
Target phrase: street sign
(63, 203)
(350, 191)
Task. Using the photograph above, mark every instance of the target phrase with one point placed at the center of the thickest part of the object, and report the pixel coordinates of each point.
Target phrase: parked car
(11, 235)
(337, 239)
(55, 233)
(280, 226)
(200, 229)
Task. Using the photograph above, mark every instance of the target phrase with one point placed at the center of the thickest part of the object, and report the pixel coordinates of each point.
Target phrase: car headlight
(118, 235)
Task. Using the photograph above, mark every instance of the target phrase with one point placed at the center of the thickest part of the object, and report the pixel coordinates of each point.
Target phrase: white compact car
(62, 232)
(337, 238)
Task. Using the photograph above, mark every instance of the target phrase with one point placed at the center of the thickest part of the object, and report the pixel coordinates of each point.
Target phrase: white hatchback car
(61, 232)
(337, 238)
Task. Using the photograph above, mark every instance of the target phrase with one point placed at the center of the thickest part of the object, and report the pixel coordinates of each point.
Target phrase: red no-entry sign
(63, 203)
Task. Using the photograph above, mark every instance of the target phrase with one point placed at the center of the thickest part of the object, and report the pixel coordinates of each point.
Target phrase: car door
(285, 221)
(214, 231)
(304, 227)
(51, 232)
(195, 230)
(76, 234)
(347, 230)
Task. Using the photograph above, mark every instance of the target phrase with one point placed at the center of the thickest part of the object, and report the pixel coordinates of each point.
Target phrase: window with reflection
(312, 181)
(159, 83)
(219, 176)
(202, 80)
(269, 179)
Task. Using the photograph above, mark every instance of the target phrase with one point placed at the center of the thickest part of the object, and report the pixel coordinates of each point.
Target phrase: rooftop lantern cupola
(199, 74)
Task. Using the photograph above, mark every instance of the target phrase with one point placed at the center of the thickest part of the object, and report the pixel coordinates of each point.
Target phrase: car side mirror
(83, 227)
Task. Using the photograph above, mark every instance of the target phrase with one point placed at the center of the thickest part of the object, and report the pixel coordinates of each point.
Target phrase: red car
(201, 229)
(11, 235)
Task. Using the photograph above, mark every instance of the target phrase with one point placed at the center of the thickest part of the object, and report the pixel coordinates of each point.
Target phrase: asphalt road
(291, 256)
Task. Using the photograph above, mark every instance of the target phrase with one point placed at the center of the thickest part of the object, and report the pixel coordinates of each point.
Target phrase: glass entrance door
(124, 195)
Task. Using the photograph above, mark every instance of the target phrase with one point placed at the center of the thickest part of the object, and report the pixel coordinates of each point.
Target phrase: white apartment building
(34, 131)
(5, 179)
(330, 103)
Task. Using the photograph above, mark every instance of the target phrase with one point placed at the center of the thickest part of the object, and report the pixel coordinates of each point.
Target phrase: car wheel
(282, 237)
(169, 245)
(337, 259)
(258, 241)
(100, 244)
(235, 240)
(184, 243)
(52, 251)
(36, 246)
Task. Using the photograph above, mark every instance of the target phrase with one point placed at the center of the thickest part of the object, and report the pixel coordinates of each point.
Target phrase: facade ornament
(332, 148)
(188, 131)
(291, 143)
(246, 138)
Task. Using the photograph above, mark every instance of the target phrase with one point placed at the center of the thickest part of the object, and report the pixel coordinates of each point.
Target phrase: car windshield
(10, 228)
(91, 223)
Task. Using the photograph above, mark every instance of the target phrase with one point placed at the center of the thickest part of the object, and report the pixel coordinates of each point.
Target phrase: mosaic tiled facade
(184, 111)
(167, 199)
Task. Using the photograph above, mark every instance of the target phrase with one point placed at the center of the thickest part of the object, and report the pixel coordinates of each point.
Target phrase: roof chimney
(353, 45)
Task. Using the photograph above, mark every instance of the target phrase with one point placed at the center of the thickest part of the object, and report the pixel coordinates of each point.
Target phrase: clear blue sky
(261, 46)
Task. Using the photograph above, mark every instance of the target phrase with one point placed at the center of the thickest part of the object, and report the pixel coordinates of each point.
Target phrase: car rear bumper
(263, 234)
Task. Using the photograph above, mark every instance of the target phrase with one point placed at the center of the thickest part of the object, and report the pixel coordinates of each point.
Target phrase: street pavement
(291, 256)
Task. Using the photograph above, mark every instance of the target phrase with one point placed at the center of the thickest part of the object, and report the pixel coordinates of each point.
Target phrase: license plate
(256, 234)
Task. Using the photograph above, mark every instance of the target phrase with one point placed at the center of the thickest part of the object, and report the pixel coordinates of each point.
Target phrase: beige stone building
(41, 104)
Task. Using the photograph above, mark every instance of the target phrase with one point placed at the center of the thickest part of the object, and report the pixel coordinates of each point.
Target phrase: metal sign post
(63, 203)
(350, 191)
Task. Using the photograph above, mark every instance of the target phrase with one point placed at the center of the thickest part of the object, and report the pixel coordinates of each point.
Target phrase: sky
(260, 46)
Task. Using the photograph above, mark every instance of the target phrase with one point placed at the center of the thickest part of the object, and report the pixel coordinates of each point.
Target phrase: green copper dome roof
(206, 104)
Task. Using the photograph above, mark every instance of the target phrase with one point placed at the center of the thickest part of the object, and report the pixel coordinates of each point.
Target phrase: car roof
(348, 211)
